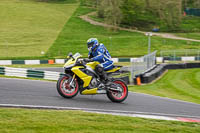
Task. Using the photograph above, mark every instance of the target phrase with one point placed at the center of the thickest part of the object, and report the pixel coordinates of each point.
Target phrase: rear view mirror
(70, 54)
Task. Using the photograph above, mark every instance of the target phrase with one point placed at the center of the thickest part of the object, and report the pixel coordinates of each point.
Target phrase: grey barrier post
(149, 34)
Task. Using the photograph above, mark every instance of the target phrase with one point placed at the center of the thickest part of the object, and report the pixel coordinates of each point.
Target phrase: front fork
(72, 80)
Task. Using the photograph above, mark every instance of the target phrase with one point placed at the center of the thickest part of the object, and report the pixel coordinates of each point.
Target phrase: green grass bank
(120, 43)
(29, 27)
(176, 84)
(33, 30)
(195, 35)
(52, 121)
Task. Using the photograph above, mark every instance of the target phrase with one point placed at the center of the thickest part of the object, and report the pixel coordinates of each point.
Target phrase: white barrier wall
(5, 62)
(18, 72)
(60, 61)
(188, 58)
(32, 62)
(115, 60)
(137, 60)
(159, 59)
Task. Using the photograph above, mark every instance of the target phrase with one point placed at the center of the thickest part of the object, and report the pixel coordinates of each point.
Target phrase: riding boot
(106, 79)
(103, 75)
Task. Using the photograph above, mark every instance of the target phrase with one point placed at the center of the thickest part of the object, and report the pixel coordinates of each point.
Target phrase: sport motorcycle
(80, 76)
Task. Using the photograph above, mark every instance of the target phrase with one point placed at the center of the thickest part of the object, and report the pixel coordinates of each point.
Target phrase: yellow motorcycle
(80, 76)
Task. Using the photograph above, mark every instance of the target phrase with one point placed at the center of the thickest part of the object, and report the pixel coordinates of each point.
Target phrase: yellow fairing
(71, 61)
(90, 91)
(93, 64)
(86, 79)
(113, 70)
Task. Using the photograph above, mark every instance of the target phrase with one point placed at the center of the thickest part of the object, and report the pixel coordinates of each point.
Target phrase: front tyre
(116, 96)
(65, 89)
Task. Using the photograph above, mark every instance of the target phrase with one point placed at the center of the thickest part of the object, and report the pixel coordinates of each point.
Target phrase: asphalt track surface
(44, 93)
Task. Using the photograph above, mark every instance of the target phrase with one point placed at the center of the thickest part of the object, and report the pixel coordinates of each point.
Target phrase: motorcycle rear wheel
(64, 88)
(118, 97)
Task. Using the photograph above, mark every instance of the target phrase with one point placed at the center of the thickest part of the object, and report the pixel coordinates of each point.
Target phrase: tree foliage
(110, 10)
(144, 13)
(170, 12)
(131, 10)
(191, 3)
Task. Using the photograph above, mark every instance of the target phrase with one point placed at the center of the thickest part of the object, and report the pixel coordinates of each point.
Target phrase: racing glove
(88, 60)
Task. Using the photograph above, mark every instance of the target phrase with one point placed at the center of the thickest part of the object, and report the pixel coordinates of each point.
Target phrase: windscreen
(76, 55)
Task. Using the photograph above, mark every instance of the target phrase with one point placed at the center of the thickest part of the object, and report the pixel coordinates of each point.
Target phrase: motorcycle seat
(114, 69)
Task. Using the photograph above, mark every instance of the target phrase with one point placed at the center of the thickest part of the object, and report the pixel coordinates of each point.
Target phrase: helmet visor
(90, 44)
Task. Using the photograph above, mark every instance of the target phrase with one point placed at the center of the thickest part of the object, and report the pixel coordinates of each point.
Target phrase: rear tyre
(116, 96)
(64, 88)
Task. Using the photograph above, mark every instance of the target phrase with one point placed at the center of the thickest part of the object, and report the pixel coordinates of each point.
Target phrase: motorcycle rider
(98, 52)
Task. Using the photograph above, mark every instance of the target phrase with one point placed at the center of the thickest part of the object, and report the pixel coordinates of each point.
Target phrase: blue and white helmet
(92, 43)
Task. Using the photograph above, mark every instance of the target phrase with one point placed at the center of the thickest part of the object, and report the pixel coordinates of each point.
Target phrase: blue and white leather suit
(101, 54)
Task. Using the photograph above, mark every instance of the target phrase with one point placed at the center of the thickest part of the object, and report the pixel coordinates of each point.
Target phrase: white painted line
(90, 110)
(120, 112)
(140, 116)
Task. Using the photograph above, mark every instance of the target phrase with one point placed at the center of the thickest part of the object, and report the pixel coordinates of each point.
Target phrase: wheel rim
(66, 88)
(120, 95)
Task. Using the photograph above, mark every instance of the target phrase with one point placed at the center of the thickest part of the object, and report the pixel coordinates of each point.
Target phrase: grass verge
(29, 27)
(195, 35)
(75, 33)
(176, 84)
(54, 121)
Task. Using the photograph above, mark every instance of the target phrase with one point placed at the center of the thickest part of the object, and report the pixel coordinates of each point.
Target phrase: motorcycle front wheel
(65, 89)
(116, 96)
